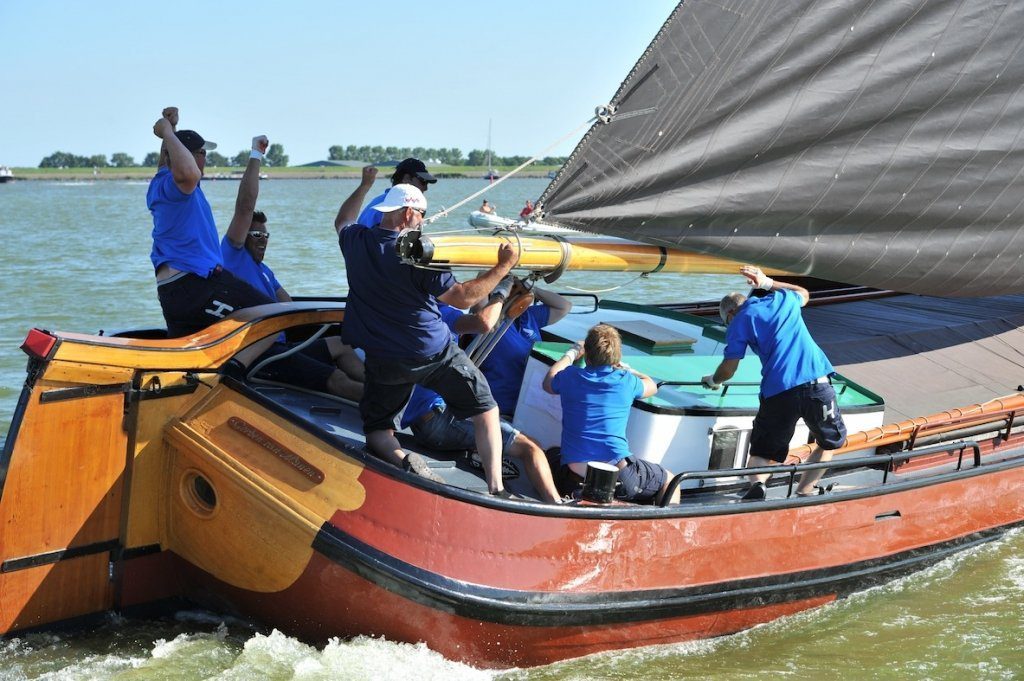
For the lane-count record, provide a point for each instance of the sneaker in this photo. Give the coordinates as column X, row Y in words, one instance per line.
column 756, row 492
column 414, row 463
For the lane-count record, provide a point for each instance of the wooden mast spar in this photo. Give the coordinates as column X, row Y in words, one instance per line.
column 556, row 254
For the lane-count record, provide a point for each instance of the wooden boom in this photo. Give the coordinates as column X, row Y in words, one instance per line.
column 556, row 253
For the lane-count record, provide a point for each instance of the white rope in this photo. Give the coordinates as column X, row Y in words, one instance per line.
column 642, row 275
column 287, row 353
column 540, row 154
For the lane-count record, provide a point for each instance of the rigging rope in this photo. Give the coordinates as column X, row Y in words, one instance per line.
column 540, row 154
column 642, row 275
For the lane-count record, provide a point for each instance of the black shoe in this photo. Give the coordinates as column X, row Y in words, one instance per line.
column 818, row 491
column 756, row 492
column 503, row 494
column 233, row 369
column 414, row 463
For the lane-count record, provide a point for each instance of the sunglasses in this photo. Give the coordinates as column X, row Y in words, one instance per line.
column 260, row 235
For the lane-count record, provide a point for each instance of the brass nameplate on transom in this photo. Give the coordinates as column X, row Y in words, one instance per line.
column 280, row 451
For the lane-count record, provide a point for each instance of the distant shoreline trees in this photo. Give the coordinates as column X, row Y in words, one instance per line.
column 277, row 158
column 444, row 156
column 62, row 159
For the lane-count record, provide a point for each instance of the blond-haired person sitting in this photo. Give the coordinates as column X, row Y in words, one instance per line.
column 596, row 400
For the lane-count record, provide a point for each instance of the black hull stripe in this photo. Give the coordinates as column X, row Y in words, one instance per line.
column 50, row 557
column 548, row 609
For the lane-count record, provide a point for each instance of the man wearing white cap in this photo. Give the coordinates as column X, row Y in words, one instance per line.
column 392, row 315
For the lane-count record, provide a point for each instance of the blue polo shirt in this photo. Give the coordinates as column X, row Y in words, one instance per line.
column 425, row 399
column 774, row 329
column 371, row 217
column 184, row 234
column 240, row 263
column 595, row 410
column 392, row 307
column 506, row 365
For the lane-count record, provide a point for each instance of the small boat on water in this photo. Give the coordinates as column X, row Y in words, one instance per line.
column 6, row 175
column 233, row 175
column 138, row 470
column 488, row 223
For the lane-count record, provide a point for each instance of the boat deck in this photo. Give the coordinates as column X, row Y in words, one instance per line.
column 341, row 421
column 925, row 354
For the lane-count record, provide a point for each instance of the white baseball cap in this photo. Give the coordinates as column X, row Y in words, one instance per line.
column 402, row 196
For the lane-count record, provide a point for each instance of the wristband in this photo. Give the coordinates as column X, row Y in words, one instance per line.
column 767, row 284
column 256, row 154
column 572, row 354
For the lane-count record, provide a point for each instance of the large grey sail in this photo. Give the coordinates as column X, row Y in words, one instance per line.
column 869, row 142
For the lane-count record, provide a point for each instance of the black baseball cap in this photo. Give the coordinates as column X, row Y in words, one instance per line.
column 413, row 166
column 193, row 141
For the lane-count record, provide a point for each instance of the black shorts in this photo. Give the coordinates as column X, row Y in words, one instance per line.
column 640, row 481
column 309, row 368
column 776, row 420
column 191, row 303
column 450, row 373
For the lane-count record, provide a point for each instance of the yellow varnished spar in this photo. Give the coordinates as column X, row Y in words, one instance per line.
column 556, row 253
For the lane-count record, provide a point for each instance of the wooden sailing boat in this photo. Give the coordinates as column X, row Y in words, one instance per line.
column 135, row 472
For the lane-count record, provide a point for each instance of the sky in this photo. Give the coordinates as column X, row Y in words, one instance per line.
column 92, row 77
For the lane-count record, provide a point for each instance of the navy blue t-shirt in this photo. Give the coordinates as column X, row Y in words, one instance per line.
column 425, row 399
column 184, row 234
column 773, row 327
column 506, row 365
column 392, row 307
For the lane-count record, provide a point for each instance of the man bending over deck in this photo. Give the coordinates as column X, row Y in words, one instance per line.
column 795, row 377
column 392, row 316
column 596, row 400
column 434, row 425
column 194, row 288
column 327, row 364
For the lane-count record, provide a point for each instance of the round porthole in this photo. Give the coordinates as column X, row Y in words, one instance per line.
column 199, row 494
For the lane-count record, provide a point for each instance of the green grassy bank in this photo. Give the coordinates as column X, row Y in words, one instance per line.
column 296, row 173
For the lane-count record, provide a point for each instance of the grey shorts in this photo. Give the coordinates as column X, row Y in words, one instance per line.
column 450, row 373
column 444, row 432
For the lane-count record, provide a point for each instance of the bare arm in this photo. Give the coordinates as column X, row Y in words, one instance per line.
column 566, row 360
column 248, row 191
column 349, row 210
column 184, row 169
column 479, row 322
column 650, row 387
column 559, row 305
column 758, row 279
column 469, row 293
column 726, row 370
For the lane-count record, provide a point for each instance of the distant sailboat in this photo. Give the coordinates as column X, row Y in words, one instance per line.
column 491, row 175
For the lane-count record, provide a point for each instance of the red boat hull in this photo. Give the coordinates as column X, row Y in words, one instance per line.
column 496, row 588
